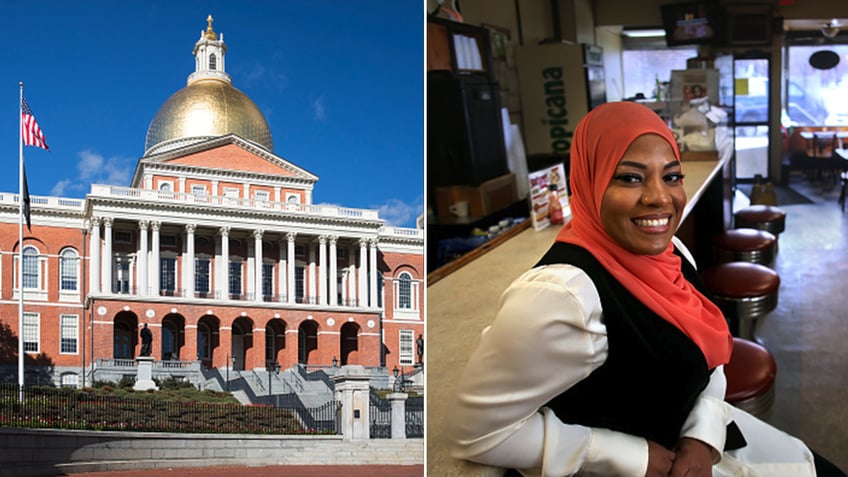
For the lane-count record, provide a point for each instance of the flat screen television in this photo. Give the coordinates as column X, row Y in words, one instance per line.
column 690, row 23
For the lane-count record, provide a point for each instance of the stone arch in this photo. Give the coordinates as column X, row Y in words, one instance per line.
column 349, row 343
column 173, row 336
column 275, row 340
column 125, row 335
column 307, row 340
column 241, row 342
column 208, row 338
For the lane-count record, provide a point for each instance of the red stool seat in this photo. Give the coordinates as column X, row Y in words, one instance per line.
column 745, row 244
column 744, row 292
column 750, row 377
column 762, row 217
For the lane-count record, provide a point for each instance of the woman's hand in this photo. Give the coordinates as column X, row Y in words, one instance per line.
column 692, row 458
column 660, row 460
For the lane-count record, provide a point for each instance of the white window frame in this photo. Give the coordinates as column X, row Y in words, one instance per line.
column 118, row 260
column 67, row 295
column 72, row 326
column 406, row 347
column 414, row 288
column 209, row 281
column 32, row 332
column 69, row 380
column 39, row 293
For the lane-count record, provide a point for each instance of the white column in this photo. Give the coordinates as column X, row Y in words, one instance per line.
column 351, row 286
column 94, row 261
column 334, row 289
column 142, row 258
column 257, row 261
column 224, row 283
column 107, row 255
column 154, row 259
column 322, row 270
column 311, row 279
column 182, row 182
column 290, row 237
column 362, row 296
column 282, row 270
column 188, row 276
column 372, row 269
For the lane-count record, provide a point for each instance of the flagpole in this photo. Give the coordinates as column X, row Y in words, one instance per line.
column 21, row 247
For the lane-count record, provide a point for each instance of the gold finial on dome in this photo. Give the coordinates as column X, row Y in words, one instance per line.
column 210, row 33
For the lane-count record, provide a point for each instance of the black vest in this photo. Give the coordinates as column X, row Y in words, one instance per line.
column 653, row 373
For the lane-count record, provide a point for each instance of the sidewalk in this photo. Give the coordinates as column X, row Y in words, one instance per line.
column 273, row 471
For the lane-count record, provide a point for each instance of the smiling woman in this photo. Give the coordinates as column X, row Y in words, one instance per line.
column 607, row 358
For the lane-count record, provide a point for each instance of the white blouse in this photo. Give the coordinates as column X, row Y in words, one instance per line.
column 549, row 335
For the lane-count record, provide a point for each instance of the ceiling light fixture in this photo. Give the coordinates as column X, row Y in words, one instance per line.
column 831, row 28
column 644, row 33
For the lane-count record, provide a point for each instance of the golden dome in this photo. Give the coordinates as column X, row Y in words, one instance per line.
column 204, row 109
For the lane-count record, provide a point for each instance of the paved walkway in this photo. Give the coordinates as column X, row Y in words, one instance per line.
column 273, row 471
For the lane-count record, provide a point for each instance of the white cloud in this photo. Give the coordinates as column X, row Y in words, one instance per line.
column 93, row 168
column 400, row 214
column 319, row 111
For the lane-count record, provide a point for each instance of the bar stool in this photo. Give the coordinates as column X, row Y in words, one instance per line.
column 761, row 217
column 750, row 378
column 744, row 291
column 745, row 244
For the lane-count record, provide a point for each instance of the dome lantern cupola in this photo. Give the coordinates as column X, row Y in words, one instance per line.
column 209, row 54
column 209, row 106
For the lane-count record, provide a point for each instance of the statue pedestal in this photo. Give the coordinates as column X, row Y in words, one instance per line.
column 144, row 379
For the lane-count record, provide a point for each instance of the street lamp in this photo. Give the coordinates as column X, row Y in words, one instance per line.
column 227, row 364
column 398, row 384
column 335, row 362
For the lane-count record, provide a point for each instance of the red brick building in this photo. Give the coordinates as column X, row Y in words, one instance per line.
column 217, row 247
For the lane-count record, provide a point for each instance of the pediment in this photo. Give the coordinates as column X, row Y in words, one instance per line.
column 229, row 154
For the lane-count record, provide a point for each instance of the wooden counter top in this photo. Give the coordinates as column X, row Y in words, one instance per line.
column 461, row 304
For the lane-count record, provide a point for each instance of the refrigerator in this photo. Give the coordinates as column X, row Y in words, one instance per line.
column 559, row 84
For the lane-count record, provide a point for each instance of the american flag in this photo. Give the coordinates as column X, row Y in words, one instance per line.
column 29, row 129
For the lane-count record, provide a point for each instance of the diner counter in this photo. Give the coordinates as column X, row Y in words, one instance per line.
column 462, row 303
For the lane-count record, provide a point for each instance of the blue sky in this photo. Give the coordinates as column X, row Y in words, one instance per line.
column 341, row 84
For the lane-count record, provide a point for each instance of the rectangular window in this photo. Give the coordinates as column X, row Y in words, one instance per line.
column 198, row 189
column 32, row 332
column 168, row 240
column 30, row 270
column 268, row 280
column 299, row 276
column 235, row 280
column 69, row 263
column 231, row 192
column 122, row 277
column 69, row 330
column 122, row 236
column 406, row 347
column 201, row 275
column 262, row 195
column 168, row 274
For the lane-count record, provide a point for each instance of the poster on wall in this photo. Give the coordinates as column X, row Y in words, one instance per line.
column 549, row 197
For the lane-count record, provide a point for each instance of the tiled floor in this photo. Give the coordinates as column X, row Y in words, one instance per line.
column 808, row 332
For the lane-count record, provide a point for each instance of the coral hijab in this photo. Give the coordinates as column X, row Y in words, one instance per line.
column 600, row 141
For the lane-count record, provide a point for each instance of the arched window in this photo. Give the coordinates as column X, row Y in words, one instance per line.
column 68, row 270
column 213, row 62
column 30, row 267
column 404, row 290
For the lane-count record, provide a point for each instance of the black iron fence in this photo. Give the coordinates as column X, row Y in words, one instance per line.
column 57, row 408
column 380, row 413
column 414, row 414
